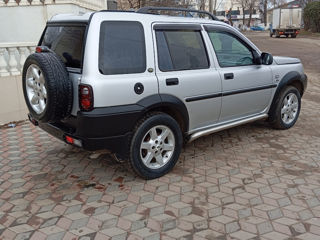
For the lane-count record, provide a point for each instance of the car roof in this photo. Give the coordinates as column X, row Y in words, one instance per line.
column 132, row 16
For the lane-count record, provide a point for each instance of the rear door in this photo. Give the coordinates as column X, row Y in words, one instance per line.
column 185, row 70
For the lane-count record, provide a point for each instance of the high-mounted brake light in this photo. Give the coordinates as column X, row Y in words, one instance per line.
column 85, row 97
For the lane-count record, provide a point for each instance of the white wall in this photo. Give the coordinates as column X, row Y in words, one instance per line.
column 24, row 24
column 20, row 29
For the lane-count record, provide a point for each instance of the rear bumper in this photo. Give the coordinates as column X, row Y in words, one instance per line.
column 294, row 31
column 113, row 143
column 103, row 128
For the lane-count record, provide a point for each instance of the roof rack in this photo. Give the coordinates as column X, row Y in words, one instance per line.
column 185, row 10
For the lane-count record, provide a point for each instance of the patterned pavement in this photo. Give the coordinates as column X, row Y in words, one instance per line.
column 250, row 182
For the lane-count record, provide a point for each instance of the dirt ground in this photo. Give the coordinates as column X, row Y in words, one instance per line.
column 307, row 49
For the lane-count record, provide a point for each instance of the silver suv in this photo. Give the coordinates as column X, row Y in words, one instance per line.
column 142, row 84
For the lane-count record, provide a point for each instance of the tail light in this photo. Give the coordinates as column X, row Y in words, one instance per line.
column 85, row 97
column 297, row 32
column 40, row 49
column 73, row 141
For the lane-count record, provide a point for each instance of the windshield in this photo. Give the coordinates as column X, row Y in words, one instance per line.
column 67, row 42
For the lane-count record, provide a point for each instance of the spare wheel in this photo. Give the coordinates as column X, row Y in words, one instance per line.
column 47, row 89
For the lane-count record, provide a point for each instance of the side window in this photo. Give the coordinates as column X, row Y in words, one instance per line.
column 181, row 50
column 122, row 48
column 229, row 50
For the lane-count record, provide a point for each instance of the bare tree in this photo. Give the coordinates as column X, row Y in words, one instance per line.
column 244, row 6
column 251, row 5
column 263, row 9
column 229, row 15
column 136, row 4
column 202, row 4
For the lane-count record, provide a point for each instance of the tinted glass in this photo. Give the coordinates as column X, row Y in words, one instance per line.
column 67, row 42
column 122, row 48
column 229, row 50
column 181, row 50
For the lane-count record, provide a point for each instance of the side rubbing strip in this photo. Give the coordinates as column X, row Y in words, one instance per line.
column 177, row 27
column 215, row 95
column 203, row 97
column 248, row 90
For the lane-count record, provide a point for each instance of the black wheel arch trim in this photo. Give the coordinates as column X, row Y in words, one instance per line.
column 157, row 101
column 286, row 80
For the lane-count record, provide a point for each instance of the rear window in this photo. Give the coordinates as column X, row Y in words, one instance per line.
column 122, row 48
column 67, row 42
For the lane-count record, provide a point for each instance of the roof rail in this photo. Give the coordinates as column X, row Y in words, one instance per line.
column 107, row 10
column 186, row 10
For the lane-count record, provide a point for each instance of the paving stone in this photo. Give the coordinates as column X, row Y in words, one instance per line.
column 242, row 235
column 122, row 208
column 250, row 182
column 107, row 220
column 162, row 223
column 150, row 208
column 132, row 222
column 115, row 233
column 144, row 234
column 179, row 209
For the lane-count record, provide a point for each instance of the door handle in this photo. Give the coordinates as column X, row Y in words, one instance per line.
column 228, row 76
column 172, row 81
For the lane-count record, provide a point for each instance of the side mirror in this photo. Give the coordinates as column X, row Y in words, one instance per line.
column 256, row 58
column 266, row 58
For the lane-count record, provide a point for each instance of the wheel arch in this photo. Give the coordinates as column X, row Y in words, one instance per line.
column 292, row 78
column 168, row 104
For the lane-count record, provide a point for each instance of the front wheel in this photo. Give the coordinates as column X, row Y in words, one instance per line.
column 155, row 146
column 287, row 110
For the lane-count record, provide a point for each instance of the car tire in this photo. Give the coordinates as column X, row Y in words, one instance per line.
column 47, row 89
column 293, row 35
column 155, row 146
column 286, row 111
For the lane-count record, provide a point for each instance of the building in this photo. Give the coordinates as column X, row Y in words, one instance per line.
column 222, row 9
column 21, row 25
column 236, row 14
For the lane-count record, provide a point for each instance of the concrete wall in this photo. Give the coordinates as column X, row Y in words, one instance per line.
column 13, row 107
column 21, row 28
column 21, row 24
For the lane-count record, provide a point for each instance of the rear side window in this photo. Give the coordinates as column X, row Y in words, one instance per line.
column 181, row 50
column 67, row 42
column 122, row 48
